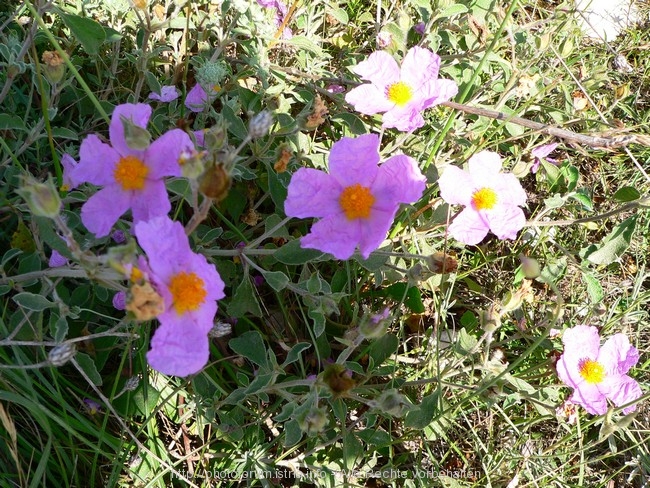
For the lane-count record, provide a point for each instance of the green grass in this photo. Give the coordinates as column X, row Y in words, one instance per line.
column 460, row 391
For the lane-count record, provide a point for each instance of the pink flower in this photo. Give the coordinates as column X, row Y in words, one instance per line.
column 119, row 300
column 132, row 178
column 357, row 201
column 197, row 98
column 402, row 93
column 167, row 94
column 491, row 199
column 57, row 259
column 190, row 288
column 540, row 153
column 596, row 373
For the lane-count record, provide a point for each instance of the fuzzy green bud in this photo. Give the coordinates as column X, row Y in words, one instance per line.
column 530, row 267
column 374, row 326
column 215, row 137
column 53, row 66
column 210, row 76
column 61, row 354
column 42, row 198
column 391, row 402
column 314, row 421
column 136, row 137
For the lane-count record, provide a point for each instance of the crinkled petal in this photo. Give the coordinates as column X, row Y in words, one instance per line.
column 312, row 193
column 369, row 99
column 456, row 186
column 380, row 69
column 591, row 398
column 404, row 119
column 97, row 162
column 179, row 350
column 580, row 342
column 69, row 165
column 506, row 221
column 335, row 235
column 196, row 99
column 468, row 227
column 621, row 390
column 162, row 157
column 167, row 94
column 138, row 113
column 436, row 92
column 419, row 67
column 543, row 151
column 484, row 164
column 354, row 160
column 163, row 254
column 150, row 202
column 508, row 188
column 399, row 180
column 374, row 230
column 103, row 209
column 617, row 355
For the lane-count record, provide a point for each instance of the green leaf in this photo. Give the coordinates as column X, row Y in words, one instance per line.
column 627, row 194
column 614, row 245
column 292, row 253
column 251, row 346
column 278, row 184
column 375, row 261
column 64, row 133
column 87, row 364
column 303, row 43
column 292, row 433
column 60, row 329
column 422, row 415
column 594, row 289
column 465, row 343
column 352, row 450
column 455, row 9
column 276, row 279
column 583, row 199
column 383, row 348
column 294, row 353
column 553, row 271
column 31, row 301
column 340, row 15
column 89, row 33
column 244, row 301
column 11, row 122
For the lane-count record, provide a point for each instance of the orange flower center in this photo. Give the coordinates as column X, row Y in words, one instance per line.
column 130, row 173
column 356, row 201
column 188, row 292
column 592, row 371
column 399, row 93
column 484, row 199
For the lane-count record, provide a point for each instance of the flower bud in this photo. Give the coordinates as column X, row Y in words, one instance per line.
column 42, row 198
column 530, row 267
column 61, row 354
column 374, row 326
column 314, row 421
column 215, row 137
column 132, row 383
column 338, row 378
column 391, row 402
column 220, row 329
column 136, row 137
column 53, row 66
column 210, row 76
column 215, row 182
column 260, row 124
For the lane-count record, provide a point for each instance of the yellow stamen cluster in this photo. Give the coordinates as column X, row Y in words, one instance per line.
column 356, row 201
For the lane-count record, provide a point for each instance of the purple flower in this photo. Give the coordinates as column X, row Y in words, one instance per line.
column 402, row 93
column 491, row 199
column 280, row 14
column 335, row 88
column 190, row 288
column 119, row 300
column 93, row 407
column 596, row 373
column 167, row 94
column 357, row 201
column 131, row 178
column 118, row 236
column 419, row 28
column 69, row 164
column 540, row 153
column 57, row 260
column 197, row 99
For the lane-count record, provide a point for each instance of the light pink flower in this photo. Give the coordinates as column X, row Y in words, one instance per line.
column 596, row 373
column 131, row 178
column 401, row 93
column 491, row 199
column 541, row 152
column 190, row 288
column 357, row 201
column 168, row 93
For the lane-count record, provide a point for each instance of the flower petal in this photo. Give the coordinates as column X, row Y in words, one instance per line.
column 150, row 202
column 590, row 397
column 196, row 99
column 399, row 180
column 335, row 235
column 162, row 157
column 97, row 162
column 436, row 92
column 508, row 189
column 162, row 253
column 312, row 193
column 380, row 69
column 167, row 94
column 103, row 209
column 374, row 230
column 484, row 164
column 368, row 99
column 617, row 355
column 506, row 221
column 580, row 342
column 456, row 186
column 419, row 67
column 354, row 160
column 468, row 227
column 621, row 390
column 138, row 113
column 404, row 119
column 543, row 151
column 179, row 350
